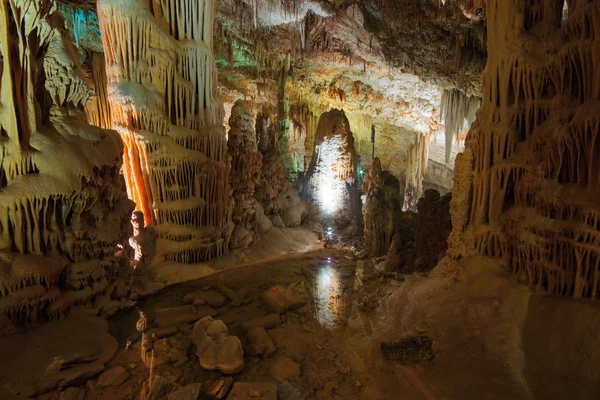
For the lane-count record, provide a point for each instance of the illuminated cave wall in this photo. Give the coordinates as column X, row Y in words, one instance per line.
column 527, row 185
column 332, row 175
column 162, row 91
column 63, row 205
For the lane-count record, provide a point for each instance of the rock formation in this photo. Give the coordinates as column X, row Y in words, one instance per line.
column 332, row 176
column 416, row 168
column 63, row 206
column 143, row 241
column 382, row 206
column 526, row 186
column 163, row 101
column 273, row 173
column 246, row 165
column 216, row 349
column 433, row 226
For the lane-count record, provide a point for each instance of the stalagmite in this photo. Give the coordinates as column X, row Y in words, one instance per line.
column 63, row 207
column 527, row 184
column 382, row 206
column 246, row 166
column 162, row 94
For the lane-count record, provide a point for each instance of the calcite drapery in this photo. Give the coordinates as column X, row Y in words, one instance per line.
column 528, row 181
column 162, row 93
column 62, row 203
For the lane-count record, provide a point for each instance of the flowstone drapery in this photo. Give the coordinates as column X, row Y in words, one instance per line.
column 63, row 207
column 527, row 186
column 162, row 93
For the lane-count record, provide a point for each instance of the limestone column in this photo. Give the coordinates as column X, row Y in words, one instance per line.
column 164, row 103
column 526, row 186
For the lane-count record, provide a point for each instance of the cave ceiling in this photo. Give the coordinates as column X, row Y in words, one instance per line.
column 389, row 58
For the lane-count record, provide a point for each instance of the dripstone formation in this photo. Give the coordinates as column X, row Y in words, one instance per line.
column 526, row 186
column 164, row 104
column 63, row 205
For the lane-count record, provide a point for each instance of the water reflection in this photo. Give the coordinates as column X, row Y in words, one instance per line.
column 330, row 301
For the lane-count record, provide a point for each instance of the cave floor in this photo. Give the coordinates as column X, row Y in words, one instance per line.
column 334, row 338
column 330, row 338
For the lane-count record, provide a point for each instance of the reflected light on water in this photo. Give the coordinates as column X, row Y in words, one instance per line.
column 329, row 298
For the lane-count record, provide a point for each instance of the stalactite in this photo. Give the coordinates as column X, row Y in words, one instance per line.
column 528, row 180
column 98, row 107
column 416, row 168
column 162, row 94
column 457, row 112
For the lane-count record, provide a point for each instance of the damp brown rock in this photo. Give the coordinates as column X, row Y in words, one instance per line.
column 216, row 349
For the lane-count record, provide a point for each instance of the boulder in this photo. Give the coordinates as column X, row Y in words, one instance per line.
column 284, row 369
column 241, row 237
column 267, row 322
column 216, row 349
column 282, row 298
column 260, row 342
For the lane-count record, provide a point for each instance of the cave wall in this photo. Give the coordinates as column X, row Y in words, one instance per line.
column 162, row 92
column 526, row 186
column 63, row 205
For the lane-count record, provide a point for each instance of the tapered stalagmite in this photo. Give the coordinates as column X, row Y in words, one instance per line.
column 63, row 207
column 246, row 166
column 528, row 181
column 382, row 207
column 162, row 94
